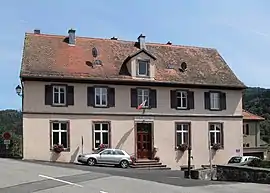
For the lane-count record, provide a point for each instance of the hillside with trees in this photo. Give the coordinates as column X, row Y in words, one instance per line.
column 257, row 101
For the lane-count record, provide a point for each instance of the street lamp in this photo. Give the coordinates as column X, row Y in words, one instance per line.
column 19, row 90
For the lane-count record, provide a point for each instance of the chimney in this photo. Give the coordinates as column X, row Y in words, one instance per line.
column 169, row 43
column 114, row 38
column 71, row 36
column 141, row 40
column 36, row 31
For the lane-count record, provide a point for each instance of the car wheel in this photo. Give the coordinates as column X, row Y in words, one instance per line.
column 124, row 164
column 91, row 162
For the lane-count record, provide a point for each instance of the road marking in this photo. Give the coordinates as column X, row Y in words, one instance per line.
column 63, row 181
column 103, row 192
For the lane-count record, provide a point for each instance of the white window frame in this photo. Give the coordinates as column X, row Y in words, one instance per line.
column 217, row 129
column 183, row 95
column 145, row 95
column 101, row 91
column 182, row 131
column 214, row 100
column 101, row 131
column 60, row 131
column 59, row 87
column 146, row 63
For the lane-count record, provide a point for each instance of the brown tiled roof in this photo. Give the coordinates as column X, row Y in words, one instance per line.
column 50, row 56
column 249, row 116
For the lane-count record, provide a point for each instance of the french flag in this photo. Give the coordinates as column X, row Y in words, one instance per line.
column 142, row 105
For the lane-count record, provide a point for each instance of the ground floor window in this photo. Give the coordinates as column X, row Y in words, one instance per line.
column 216, row 133
column 60, row 133
column 182, row 134
column 101, row 134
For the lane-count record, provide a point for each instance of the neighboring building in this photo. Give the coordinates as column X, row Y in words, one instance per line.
column 253, row 144
column 78, row 88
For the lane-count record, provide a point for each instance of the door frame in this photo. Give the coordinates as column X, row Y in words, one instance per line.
column 151, row 134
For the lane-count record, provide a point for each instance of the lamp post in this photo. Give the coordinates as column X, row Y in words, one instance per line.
column 19, row 90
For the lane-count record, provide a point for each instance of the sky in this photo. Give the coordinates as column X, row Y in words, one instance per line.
column 239, row 30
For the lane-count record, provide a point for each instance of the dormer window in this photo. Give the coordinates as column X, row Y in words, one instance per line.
column 143, row 68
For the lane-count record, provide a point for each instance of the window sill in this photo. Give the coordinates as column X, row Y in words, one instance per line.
column 182, row 108
column 59, row 105
column 211, row 109
column 65, row 150
column 142, row 76
column 102, row 107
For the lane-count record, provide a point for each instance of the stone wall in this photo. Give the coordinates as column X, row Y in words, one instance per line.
column 243, row 174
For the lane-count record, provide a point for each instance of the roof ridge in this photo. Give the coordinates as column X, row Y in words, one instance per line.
column 127, row 41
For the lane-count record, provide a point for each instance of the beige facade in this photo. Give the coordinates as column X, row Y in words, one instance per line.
column 122, row 118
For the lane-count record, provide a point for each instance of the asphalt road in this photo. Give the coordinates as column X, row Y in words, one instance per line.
column 26, row 177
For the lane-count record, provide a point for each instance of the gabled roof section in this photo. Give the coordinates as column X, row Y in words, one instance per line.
column 251, row 117
column 50, row 56
column 142, row 51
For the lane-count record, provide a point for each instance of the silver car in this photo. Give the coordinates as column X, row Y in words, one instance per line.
column 107, row 156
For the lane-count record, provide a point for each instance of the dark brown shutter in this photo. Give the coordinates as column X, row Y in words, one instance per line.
column 207, row 100
column 190, row 96
column 110, row 135
column 48, row 95
column 175, row 134
column 223, row 101
column 189, row 135
column 153, row 98
column 173, row 99
column 222, row 135
column 70, row 95
column 68, row 137
column 247, row 129
column 91, row 96
column 51, row 125
column 133, row 97
column 93, row 136
column 111, row 97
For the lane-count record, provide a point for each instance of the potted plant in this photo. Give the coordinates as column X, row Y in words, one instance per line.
column 216, row 146
column 182, row 147
column 102, row 146
column 58, row 148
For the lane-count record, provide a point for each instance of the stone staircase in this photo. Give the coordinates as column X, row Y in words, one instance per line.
column 149, row 165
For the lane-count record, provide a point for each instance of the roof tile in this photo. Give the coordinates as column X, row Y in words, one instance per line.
column 51, row 56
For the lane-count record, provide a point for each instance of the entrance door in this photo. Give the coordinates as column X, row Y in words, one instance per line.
column 144, row 141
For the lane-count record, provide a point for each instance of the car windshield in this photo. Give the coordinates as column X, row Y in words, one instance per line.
column 235, row 160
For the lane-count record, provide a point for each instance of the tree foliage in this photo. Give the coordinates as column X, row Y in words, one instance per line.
column 257, row 101
column 11, row 121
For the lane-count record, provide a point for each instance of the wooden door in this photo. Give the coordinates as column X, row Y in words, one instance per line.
column 143, row 145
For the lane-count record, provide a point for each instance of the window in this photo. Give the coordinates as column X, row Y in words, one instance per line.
column 60, row 133
column 143, row 95
column 181, row 99
column 118, row 152
column 101, row 97
column 214, row 100
column 246, row 129
column 236, row 159
column 182, row 133
column 107, row 152
column 59, row 95
column 215, row 133
column 101, row 134
column 143, row 68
